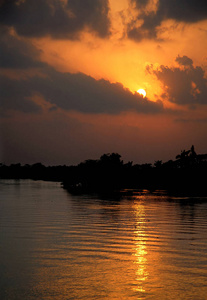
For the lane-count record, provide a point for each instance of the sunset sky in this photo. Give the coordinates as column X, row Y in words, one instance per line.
column 70, row 71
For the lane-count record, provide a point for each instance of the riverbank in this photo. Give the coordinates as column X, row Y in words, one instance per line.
column 109, row 174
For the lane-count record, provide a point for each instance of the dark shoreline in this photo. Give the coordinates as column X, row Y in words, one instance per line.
column 187, row 175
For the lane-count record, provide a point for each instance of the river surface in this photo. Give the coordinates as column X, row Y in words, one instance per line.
column 54, row 245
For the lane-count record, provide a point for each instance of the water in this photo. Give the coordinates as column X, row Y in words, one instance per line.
column 57, row 246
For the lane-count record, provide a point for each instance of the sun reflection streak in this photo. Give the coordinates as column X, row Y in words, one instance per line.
column 140, row 240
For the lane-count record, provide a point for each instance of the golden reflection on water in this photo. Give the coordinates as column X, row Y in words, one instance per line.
column 140, row 240
column 76, row 248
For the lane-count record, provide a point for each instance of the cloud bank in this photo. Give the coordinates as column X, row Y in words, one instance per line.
column 59, row 19
column 77, row 92
column 151, row 16
column 185, row 84
column 16, row 53
column 66, row 19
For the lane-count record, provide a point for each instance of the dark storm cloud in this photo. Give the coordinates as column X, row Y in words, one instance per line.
column 184, row 60
column 187, row 11
column 140, row 3
column 59, row 19
column 77, row 92
column 84, row 93
column 184, row 85
column 15, row 95
column 17, row 54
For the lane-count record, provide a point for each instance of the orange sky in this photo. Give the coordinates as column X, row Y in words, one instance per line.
column 60, row 63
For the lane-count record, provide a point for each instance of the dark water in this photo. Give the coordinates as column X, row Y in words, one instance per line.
column 57, row 246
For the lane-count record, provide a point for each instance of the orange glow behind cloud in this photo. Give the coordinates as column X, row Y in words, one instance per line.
column 123, row 61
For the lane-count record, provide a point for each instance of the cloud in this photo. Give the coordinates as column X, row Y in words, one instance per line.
column 187, row 11
column 77, row 92
column 184, row 60
column 16, row 53
column 15, row 95
column 59, row 19
column 183, row 85
column 67, row 91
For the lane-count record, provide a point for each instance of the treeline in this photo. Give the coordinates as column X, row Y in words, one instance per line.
column 36, row 171
column 188, row 172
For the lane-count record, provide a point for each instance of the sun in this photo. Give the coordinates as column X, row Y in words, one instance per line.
column 142, row 92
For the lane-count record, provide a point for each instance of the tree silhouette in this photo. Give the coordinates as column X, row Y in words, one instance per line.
column 109, row 173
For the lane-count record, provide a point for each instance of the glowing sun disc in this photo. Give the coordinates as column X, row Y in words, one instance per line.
column 142, row 92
